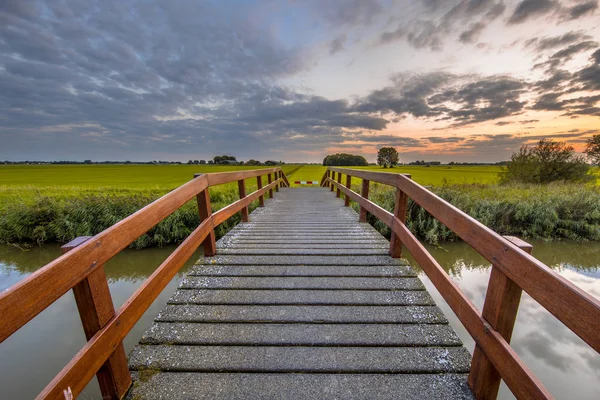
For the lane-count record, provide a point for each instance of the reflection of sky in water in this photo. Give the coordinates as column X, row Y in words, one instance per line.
column 562, row 361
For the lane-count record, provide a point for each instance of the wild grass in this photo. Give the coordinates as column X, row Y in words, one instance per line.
column 554, row 211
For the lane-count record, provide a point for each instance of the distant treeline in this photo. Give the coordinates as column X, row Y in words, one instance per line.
column 344, row 159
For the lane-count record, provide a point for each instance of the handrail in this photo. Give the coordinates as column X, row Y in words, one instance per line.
column 513, row 270
column 77, row 270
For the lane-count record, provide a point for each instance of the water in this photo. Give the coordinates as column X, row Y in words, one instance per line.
column 31, row 357
column 563, row 362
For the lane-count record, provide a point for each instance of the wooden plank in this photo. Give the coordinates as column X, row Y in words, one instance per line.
column 380, row 177
column 261, row 199
column 349, row 186
column 82, row 367
column 205, row 211
column 519, row 378
column 269, row 180
column 575, row 308
column 339, row 180
column 95, row 305
column 500, row 311
column 400, row 209
column 27, row 298
column 331, row 179
column 242, row 190
column 362, row 215
column 218, row 178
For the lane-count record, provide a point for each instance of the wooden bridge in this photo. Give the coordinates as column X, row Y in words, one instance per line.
column 303, row 299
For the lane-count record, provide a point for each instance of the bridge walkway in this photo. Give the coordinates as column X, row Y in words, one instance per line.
column 302, row 302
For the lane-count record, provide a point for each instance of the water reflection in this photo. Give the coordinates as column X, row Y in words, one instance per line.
column 35, row 354
column 562, row 361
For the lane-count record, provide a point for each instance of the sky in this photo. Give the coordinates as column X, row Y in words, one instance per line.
column 439, row 80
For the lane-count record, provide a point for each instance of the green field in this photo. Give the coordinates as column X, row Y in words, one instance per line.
column 428, row 176
column 41, row 203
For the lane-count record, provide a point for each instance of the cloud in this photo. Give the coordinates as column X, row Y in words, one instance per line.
column 337, row 44
column 472, row 34
column 528, row 9
column 580, row 10
column 560, row 57
column 557, row 41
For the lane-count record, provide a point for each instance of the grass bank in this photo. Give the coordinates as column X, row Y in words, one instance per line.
column 555, row 211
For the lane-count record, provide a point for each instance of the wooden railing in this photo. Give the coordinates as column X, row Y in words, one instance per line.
column 81, row 269
column 513, row 270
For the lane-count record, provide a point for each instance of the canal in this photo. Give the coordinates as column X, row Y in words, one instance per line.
column 564, row 363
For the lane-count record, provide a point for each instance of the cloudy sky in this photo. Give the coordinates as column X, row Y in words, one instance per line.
column 461, row 80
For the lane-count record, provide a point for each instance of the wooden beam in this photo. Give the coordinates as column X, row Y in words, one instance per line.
column 362, row 216
column 205, row 211
column 95, row 305
column 269, row 180
column 339, row 180
column 242, row 190
column 400, row 209
column 349, row 186
column 500, row 311
column 261, row 199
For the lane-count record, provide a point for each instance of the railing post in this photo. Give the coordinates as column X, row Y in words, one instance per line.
column 276, row 177
column 400, row 209
column 500, row 311
column 270, row 180
column 339, row 180
column 261, row 199
column 205, row 211
column 362, row 216
column 96, row 308
column 332, row 177
column 242, row 188
column 348, row 185
column 327, row 175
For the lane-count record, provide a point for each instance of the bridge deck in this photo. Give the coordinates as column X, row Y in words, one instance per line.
column 301, row 302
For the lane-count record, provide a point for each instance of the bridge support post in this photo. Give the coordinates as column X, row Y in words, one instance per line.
column 348, row 185
column 332, row 177
column 276, row 177
column 400, row 209
column 261, row 199
column 96, row 308
column 269, row 181
column 500, row 311
column 205, row 211
column 362, row 216
column 242, row 189
column 339, row 180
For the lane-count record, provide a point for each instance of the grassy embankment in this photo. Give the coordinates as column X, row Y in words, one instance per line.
column 58, row 203
column 41, row 203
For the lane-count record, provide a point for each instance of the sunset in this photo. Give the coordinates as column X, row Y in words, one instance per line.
column 444, row 80
column 300, row 199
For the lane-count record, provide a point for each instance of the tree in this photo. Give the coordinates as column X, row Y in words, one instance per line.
column 345, row 160
column 387, row 156
column 270, row 162
column 252, row 162
column 592, row 150
column 202, row 162
column 547, row 161
column 190, row 162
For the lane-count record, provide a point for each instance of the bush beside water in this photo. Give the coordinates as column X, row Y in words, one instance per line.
column 553, row 211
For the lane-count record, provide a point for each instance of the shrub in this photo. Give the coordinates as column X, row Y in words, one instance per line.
column 548, row 161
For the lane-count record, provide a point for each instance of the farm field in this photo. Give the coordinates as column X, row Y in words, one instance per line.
column 428, row 176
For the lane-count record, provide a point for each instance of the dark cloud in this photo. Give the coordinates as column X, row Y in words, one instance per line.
column 529, row 121
column 472, row 34
column 560, row 57
column 337, row 44
column 441, row 139
column 528, row 9
column 431, row 31
column 580, row 10
column 502, row 123
column 541, row 44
